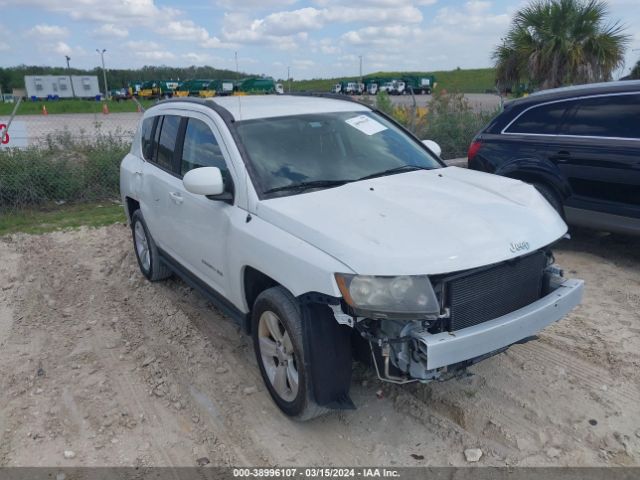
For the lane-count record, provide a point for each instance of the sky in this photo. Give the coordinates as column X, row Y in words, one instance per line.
column 312, row 38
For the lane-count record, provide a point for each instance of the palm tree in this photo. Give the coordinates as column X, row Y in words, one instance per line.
column 557, row 42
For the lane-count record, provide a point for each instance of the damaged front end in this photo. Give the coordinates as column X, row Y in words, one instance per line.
column 479, row 313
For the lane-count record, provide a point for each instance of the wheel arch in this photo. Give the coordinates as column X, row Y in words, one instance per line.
column 131, row 205
column 531, row 170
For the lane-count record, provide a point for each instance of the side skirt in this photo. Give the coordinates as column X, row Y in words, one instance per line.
column 226, row 307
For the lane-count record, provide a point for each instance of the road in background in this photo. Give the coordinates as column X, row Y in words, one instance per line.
column 479, row 101
column 30, row 130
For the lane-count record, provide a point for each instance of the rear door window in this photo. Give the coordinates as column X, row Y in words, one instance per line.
column 540, row 120
column 615, row 116
column 146, row 137
column 167, row 142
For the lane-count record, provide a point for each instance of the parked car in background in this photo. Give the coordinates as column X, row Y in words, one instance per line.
column 579, row 146
column 329, row 232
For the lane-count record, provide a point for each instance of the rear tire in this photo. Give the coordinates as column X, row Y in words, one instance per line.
column 278, row 343
column 550, row 196
column 147, row 251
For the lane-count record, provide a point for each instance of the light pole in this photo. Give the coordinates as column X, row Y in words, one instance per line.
column 104, row 72
column 289, row 78
column 360, row 57
column 73, row 92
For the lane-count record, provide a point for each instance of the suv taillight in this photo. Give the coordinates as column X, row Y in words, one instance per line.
column 474, row 148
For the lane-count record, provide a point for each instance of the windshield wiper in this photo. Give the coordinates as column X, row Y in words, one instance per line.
column 308, row 185
column 391, row 171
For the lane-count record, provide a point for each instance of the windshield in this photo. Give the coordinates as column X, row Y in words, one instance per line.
column 322, row 150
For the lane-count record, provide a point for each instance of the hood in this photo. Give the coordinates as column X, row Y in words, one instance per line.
column 422, row 222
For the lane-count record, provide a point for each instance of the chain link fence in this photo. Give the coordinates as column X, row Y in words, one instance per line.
column 51, row 159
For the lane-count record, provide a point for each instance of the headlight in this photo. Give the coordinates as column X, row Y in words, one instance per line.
column 389, row 297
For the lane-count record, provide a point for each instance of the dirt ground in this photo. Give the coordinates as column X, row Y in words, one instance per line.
column 113, row 370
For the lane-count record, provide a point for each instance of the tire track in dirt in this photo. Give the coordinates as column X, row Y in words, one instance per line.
column 115, row 347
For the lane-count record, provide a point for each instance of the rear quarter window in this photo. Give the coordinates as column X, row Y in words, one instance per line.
column 543, row 119
column 616, row 116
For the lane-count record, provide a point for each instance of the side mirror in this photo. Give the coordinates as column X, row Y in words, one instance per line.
column 433, row 146
column 204, row 181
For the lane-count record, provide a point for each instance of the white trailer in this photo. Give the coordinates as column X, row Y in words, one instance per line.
column 61, row 86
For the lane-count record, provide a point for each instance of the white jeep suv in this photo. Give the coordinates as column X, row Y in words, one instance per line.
column 331, row 233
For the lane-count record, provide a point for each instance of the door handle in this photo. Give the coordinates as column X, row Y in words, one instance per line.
column 138, row 173
column 176, row 197
column 562, row 156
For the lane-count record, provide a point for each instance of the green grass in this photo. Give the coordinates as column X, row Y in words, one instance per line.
column 465, row 81
column 62, row 217
column 29, row 107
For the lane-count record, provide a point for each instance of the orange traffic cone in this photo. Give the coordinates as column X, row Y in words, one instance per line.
column 105, row 108
column 44, row 110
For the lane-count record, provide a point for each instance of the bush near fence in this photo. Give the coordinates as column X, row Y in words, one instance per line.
column 449, row 120
column 65, row 169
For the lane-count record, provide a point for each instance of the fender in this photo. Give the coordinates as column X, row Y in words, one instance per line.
column 531, row 169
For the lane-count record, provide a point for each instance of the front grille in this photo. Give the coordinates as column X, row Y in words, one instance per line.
column 489, row 293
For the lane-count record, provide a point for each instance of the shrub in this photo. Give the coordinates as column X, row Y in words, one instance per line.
column 448, row 120
column 63, row 169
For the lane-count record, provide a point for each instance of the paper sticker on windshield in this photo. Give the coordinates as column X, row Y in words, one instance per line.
column 366, row 125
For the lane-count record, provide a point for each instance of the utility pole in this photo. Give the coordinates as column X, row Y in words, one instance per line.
column 104, row 72
column 360, row 56
column 237, row 70
column 73, row 93
column 289, row 78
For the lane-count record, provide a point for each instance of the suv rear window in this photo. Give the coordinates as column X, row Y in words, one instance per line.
column 608, row 116
column 541, row 120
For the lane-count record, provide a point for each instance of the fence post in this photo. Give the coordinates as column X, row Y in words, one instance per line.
column 13, row 114
column 140, row 107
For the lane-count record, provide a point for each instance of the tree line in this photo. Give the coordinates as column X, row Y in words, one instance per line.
column 13, row 77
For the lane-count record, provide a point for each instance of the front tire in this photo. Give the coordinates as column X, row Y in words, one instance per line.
column 278, row 343
column 146, row 250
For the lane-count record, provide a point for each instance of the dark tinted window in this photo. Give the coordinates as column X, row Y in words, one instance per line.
column 610, row 116
column 200, row 148
column 544, row 119
column 145, row 137
column 167, row 143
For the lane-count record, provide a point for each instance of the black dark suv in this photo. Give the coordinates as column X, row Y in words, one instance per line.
column 580, row 146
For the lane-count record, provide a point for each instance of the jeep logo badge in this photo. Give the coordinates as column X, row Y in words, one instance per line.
column 519, row 246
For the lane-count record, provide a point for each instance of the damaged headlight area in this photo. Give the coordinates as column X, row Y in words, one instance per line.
column 405, row 323
column 400, row 297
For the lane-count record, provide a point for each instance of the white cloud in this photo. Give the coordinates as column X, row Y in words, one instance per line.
column 253, row 5
column 109, row 30
column 155, row 55
column 283, row 25
column 48, row 31
column 4, row 47
column 187, row 30
column 63, row 48
column 198, row 58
